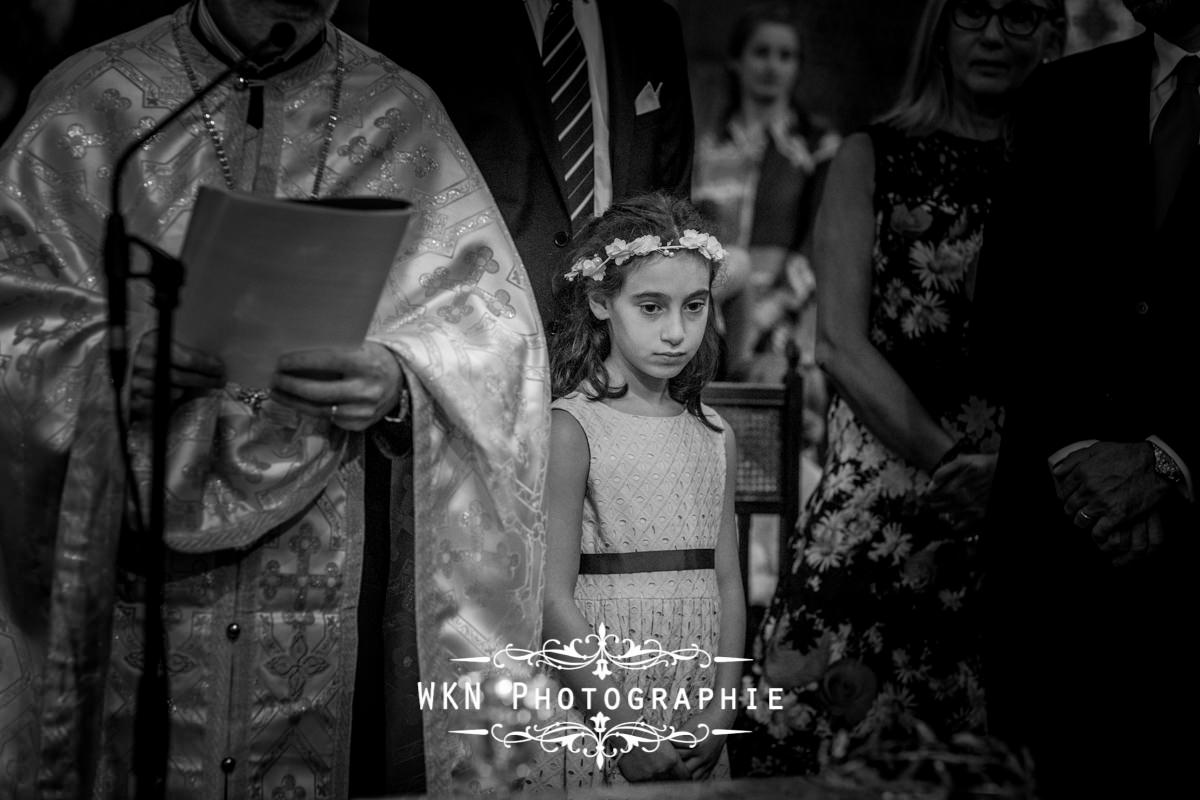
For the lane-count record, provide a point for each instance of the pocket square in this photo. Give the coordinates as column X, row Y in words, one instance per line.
column 647, row 99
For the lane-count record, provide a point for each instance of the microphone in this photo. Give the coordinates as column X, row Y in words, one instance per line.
column 116, row 239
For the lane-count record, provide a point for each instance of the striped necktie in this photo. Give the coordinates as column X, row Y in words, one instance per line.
column 564, row 63
column 1173, row 142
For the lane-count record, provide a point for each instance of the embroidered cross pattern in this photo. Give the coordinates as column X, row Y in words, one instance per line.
column 298, row 664
column 11, row 254
column 303, row 544
column 77, row 140
column 393, row 123
column 477, row 262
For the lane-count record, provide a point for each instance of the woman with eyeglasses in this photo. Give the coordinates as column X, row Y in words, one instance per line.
column 875, row 626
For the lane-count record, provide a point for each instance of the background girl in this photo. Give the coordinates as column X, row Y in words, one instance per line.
column 641, row 534
column 756, row 175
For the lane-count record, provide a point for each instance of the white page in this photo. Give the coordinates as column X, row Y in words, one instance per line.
column 264, row 276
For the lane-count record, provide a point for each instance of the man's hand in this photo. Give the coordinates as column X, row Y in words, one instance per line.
column 1127, row 544
column 353, row 387
column 1111, row 490
column 192, row 372
column 1109, row 481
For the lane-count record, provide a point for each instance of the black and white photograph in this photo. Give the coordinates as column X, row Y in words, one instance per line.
column 598, row 399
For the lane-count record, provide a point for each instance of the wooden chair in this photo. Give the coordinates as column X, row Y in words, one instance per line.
column 767, row 419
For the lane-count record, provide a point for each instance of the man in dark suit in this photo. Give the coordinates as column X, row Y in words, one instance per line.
column 1087, row 311
column 484, row 59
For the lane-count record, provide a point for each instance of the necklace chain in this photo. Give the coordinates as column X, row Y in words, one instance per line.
column 218, row 142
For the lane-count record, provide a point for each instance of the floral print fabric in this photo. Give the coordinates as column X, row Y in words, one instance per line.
column 875, row 620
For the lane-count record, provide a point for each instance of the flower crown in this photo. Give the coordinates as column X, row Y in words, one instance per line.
column 621, row 251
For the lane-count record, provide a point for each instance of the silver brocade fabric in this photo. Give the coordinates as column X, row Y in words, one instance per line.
column 265, row 521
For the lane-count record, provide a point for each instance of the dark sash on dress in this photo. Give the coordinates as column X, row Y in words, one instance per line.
column 645, row 561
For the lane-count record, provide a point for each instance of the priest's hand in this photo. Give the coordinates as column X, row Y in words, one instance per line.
column 192, row 372
column 352, row 387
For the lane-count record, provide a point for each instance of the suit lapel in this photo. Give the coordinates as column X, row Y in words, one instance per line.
column 531, row 83
column 620, row 68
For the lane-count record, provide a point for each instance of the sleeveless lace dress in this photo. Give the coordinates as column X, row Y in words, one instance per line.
column 654, row 483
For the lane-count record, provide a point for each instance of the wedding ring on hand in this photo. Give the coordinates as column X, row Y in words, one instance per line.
column 1084, row 519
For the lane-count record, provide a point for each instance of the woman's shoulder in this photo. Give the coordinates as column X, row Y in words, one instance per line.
column 854, row 162
column 884, row 136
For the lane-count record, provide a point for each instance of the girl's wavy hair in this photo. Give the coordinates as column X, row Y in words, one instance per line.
column 927, row 94
column 579, row 342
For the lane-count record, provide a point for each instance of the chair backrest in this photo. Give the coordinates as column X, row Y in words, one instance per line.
column 767, row 420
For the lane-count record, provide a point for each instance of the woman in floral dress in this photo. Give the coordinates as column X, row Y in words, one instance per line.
column 875, row 623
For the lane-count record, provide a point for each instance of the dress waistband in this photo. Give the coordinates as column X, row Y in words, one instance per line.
column 645, row 561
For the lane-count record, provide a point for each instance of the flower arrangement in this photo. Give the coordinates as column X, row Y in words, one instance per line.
column 907, row 761
column 620, row 251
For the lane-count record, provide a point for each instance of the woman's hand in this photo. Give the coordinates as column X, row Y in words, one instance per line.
column 663, row 763
column 192, row 372
column 700, row 758
column 960, row 489
column 353, row 387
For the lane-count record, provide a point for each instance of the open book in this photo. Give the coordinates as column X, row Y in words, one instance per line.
column 265, row 276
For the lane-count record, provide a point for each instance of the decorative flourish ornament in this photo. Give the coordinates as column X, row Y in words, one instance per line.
column 601, row 742
column 634, row 656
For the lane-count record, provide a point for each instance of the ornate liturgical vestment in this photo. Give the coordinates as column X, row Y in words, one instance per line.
column 266, row 507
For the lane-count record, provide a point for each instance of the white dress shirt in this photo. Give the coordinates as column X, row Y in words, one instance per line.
column 1162, row 77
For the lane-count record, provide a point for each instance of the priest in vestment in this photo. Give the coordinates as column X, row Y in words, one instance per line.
column 320, row 560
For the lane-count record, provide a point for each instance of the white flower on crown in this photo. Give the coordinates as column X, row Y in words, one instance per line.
column 705, row 243
column 616, row 248
column 644, row 245
column 620, row 251
column 589, row 268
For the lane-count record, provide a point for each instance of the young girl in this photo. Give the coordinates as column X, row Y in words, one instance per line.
column 640, row 531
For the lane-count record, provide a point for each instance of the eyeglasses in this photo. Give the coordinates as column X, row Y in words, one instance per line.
column 1016, row 19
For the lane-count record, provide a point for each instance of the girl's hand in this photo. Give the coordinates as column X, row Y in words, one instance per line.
column 640, row 765
column 960, row 490
column 700, row 759
column 353, row 387
column 192, row 372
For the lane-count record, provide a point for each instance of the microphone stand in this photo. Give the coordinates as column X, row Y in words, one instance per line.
column 152, row 721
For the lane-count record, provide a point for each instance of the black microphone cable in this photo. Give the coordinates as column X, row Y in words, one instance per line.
column 152, row 722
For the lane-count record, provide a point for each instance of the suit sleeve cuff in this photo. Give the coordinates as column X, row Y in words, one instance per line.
column 1187, row 473
column 1061, row 453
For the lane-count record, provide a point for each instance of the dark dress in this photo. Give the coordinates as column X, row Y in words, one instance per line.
column 876, row 619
